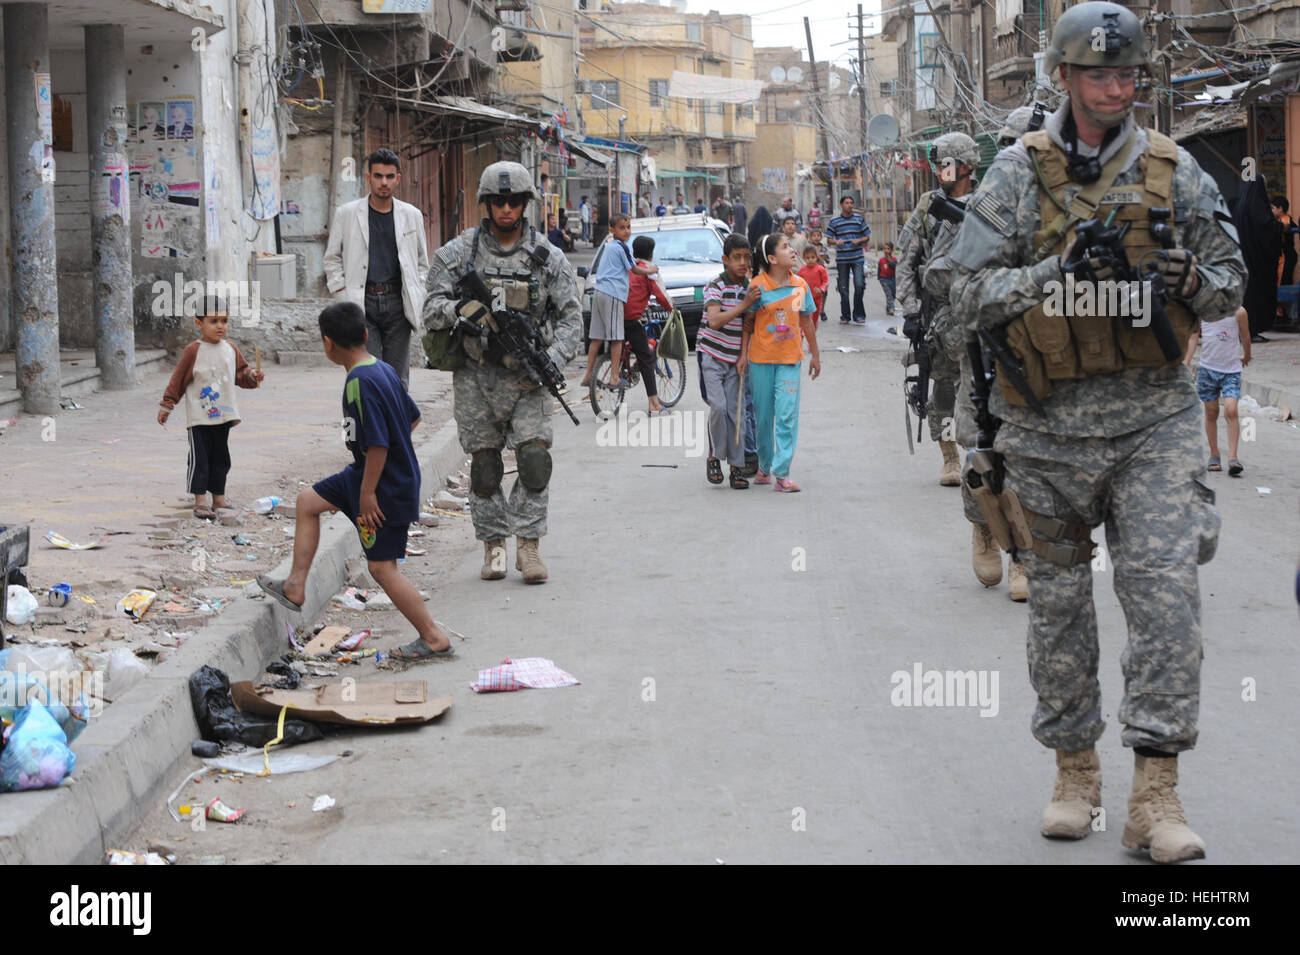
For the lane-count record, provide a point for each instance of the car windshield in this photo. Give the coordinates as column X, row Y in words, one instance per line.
column 687, row 245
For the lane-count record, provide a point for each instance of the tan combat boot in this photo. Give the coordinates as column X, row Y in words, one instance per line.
column 494, row 559
column 1077, row 793
column 951, row 474
column 985, row 556
column 1155, row 816
column 528, row 560
column 1017, row 581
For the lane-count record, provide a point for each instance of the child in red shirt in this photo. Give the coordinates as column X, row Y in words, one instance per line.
column 640, row 289
column 885, row 272
column 814, row 273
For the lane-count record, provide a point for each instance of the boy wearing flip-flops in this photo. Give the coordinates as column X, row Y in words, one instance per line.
column 379, row 491
column 1225, row 351
column 205, row 379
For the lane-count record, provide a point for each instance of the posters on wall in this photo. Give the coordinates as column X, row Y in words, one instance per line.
column 163, row 178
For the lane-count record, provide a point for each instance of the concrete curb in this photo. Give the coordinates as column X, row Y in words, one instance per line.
column 123, row 762
column 1268, row 395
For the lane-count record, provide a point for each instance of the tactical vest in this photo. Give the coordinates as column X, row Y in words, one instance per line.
column 1053, row 347
column 518, row 285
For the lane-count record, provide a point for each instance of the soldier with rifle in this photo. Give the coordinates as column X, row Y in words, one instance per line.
column 1099, row 424
column 502, row 312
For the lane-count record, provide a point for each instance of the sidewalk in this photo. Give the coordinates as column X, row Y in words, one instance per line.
column 1273, row 375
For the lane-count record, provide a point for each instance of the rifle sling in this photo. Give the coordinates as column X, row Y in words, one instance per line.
column 1085, row 203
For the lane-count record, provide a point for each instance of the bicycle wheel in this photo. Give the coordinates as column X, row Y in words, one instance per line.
column 605, row 400
column 670, row 380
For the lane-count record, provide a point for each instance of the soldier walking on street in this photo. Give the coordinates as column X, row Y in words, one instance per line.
column 954, row 157
column 496, row 404
column 1094, row 197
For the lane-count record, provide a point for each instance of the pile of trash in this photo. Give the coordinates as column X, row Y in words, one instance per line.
column 44, row 706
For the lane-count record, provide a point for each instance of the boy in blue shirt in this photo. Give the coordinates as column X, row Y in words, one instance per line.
column 607, row 301
column 379, row 491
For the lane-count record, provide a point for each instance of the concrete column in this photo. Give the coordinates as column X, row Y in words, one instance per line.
column 35, row 293
column 110, row 206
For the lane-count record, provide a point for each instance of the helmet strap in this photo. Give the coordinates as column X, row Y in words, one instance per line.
column 1084, row 169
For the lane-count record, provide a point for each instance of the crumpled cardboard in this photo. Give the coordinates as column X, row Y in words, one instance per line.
column 354, row 704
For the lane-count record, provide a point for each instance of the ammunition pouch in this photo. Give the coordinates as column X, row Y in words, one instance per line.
column 1064, row 543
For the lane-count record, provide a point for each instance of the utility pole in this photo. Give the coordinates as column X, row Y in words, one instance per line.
column 1164, row 102
column 862, row 127
column 821, row 111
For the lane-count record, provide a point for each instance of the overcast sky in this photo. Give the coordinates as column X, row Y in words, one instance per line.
column 780, row 22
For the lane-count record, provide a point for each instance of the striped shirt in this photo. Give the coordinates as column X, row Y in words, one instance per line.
column 722, row 343
column 845, row 228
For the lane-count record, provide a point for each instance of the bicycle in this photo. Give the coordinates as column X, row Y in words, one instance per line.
column 670, row 373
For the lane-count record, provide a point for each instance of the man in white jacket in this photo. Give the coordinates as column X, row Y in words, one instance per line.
column 378, row 257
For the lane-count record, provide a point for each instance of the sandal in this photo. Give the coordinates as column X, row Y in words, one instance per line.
column 1235, row 468
column 714, row 471
column 1214, row 464
column 205, row 513
column 785, row 484
column 738, row 481
column 275, row 590
column 417, row 650
column 763, row 478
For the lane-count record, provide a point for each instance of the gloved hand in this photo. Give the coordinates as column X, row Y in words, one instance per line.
column 1178, row 268
column 1094, row 264
column 472, row 310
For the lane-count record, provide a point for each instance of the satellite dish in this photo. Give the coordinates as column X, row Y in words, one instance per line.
column 778, row 75
column 835, row 81
column 883, row 130
column 794, row 74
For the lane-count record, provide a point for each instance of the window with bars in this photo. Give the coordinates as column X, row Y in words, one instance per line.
column 744, row 111
column 604, row 94
column 658, row 92
column 888, row 87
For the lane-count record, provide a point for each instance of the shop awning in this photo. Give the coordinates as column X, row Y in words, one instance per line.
column 683, row 174
column 587, row 153
column 465, row 106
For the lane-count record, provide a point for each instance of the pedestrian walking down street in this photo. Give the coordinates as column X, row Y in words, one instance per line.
column 848, row 234
column 771, row 350
column 1225, row 352
column 379, row 491
column 205, row 378
column 885, row 267
column 640, row 289
column 496, row 404
column 377, row 257
column 726, row 300
column 1119, row 442
column 584, row 214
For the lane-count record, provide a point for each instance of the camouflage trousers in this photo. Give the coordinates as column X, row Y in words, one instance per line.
column 1141, row 485
column 967, row 436
column 944, row 373
column 497, row 408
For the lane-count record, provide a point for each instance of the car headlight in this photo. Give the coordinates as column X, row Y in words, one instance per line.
column 684, row 296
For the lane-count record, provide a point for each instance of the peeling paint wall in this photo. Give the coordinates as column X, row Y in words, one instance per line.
column 304, row 212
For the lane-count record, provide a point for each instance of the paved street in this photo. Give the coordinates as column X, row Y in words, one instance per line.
column 736, row 651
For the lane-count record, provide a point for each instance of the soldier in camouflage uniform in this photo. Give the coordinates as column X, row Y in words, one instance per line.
column 1119, row 442
column 954, row 157
column 497, row 406
column 986, row 559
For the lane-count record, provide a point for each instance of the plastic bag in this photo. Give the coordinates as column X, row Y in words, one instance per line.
column 20, row 608
column 25, row 677
column 36, row 754
column 124, row 670
column 218, row 718
column 673, row 344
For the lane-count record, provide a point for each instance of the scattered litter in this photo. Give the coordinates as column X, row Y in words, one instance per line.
column 214, row 709
column 205, row 749
column 218, row 811
column 322, row 803
column 325, row 641
column 463, row 512
column 281, row 763
column 86, row 600
column 36, row 754
column 659, row 466
column 447, row 499
column 58, row 540
column 6, row 422
column 428, row 519
column 847, row 349
column 415, row 532
column 352, row 598
column 293, row 638
column 535, row 673
column 241, row 541
column 122, row 857
column 368, row 703
column 265, row 505
column 415, row 551
column 354, row 641
column 228, row 518
column 1264, row 490
column 137, row 603
column 125, row 670
column 183, row 810
column 174, row 606
column 20, row 608
column 379, row 601
column 58, row 595
column 289, row 677
column 69, row 404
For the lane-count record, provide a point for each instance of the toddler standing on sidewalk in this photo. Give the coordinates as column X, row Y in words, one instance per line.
column 815, row 274
column 1225, row 351
column 206, row 377
column 379, row 491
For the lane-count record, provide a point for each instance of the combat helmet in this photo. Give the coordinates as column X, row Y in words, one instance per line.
column 958, row 147
column 1097, row 34
column 1016, row 125
column 505, row 179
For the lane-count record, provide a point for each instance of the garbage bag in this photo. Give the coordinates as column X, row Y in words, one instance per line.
column 62, row 695
column 36, row 754
column 20, row 608
column 219, row 719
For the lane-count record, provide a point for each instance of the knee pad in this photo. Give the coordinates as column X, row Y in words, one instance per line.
column 485, row 472
column 534, row 461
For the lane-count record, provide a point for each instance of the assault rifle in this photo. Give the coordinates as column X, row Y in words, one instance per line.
column 1099, row 240
column 513, row 333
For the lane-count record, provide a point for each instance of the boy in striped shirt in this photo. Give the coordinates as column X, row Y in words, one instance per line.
column 726, row 299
